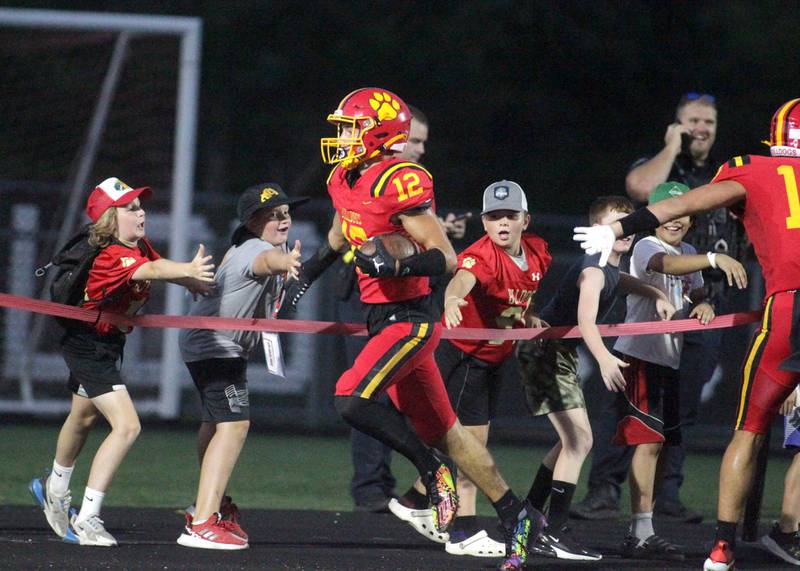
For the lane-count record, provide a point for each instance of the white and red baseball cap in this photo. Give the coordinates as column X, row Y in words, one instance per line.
column 113, row 192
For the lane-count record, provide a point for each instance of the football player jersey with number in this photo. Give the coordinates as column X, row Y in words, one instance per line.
column 771, row 214
column 109, row 285
column 371, row 206
column 502, row 294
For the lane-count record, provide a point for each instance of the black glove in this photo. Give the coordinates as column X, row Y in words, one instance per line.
column 380, row 264
column 292, row 292
column 311, row 270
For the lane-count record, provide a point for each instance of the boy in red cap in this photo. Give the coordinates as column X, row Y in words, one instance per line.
column 118, row 282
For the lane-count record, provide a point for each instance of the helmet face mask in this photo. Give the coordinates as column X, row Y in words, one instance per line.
column 370, row 122
column 784, row 132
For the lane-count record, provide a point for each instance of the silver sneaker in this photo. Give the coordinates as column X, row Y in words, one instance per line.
column 92, row 532
column 56, row 508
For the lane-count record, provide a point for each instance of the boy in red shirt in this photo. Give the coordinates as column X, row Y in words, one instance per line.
column 493, row 287
column 118, row 282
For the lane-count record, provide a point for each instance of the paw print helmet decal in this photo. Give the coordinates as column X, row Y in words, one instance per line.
column 370, row 122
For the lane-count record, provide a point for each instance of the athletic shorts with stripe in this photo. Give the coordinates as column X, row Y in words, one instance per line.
column 399, row 360
column 765, row 385
column 648, row 410
column 472, row 384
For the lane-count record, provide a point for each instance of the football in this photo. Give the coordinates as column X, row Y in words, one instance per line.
column 399, row 246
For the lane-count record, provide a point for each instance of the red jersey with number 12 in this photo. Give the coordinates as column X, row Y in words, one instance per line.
column 371, row 206
column 502, row 294
column 771, row 214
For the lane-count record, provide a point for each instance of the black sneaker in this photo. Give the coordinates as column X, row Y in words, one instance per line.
column 561, row 544
column 786, row 546
column 676, row 511
column 596, row 505
column 654, row 547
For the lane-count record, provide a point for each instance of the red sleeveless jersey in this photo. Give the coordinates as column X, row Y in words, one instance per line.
column 771, row 214
column 371, row 207
column 502, row 294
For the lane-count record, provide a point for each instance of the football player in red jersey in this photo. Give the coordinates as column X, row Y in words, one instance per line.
column 764, row 192
column 373, row 193
column 118, row 282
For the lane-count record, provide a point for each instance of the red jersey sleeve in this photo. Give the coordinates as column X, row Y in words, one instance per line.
column 115, row 266
column 480, row 260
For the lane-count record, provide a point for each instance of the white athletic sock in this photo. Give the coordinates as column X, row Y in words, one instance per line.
column 58, row 482
column 92, row 502
column 642, row 525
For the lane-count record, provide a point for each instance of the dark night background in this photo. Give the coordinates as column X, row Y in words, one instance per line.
column 560, row 96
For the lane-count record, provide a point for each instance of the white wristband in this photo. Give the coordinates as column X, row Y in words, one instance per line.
column 712, row 259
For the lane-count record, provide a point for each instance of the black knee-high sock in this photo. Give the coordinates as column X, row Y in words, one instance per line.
column 508, row 508
column 540, row 490
column 726, row 530
column 560, row 499
column 388, row 426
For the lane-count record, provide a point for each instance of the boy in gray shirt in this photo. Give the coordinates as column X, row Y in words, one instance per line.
column 248, row 283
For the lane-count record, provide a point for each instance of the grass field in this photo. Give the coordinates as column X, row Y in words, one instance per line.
column 290, row 472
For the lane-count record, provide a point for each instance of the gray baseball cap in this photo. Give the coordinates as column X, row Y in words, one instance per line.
column 504, row 195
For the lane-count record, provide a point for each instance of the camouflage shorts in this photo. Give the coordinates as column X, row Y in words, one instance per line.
column 549, row 375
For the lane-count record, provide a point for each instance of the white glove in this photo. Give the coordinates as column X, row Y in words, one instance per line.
column 595, row 239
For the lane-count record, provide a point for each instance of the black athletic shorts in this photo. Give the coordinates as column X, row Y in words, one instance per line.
column 94, row 362
column 472, row 385
column 223, row 388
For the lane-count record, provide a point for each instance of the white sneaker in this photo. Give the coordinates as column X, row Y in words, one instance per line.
column 92, row 532
column 56, row 508
column 479, row 545
column 420, row 520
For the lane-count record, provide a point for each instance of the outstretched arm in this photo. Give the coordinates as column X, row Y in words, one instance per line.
column 200, row 268
column 458, row 288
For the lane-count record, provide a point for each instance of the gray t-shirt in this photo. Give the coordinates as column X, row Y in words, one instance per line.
column 238, row 293
column 661, row 349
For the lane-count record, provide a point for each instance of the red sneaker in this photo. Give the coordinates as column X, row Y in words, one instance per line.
column 229, row 513
column 721, row 558
column 213, row 533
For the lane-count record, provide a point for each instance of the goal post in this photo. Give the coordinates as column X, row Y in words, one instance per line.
column 188, row 30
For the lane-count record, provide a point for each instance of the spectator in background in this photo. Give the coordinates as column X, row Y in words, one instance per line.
column 686, row 158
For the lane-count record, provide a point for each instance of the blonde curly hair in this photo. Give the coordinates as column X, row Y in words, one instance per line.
column 102, row 232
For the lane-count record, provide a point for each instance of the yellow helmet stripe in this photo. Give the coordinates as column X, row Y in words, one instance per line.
column 780, row 128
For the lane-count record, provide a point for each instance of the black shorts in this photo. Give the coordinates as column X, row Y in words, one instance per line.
column 417, row 310
column 94, row 362
column 223, row 388
column 648, row 410
column 472, row 385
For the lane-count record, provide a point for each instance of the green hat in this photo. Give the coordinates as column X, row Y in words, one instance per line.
column 667, row 190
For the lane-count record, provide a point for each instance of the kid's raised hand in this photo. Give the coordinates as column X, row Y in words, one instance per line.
column 788, row 405
column 611, row 371
column 703, row 312
column 293, row 264
column 200, row 268
column 733, row 269
column 452, row 311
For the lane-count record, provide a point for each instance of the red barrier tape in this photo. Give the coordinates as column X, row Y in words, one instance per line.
column 335, row 328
